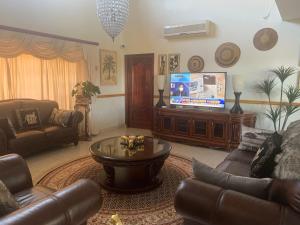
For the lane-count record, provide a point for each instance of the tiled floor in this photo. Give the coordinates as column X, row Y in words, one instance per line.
column 41, row 163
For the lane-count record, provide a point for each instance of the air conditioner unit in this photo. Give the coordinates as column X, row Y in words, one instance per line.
column 200, row 29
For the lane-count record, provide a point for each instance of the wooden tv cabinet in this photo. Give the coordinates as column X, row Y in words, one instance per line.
column 209, row 128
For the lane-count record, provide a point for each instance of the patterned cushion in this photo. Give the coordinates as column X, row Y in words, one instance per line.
column 28, row 118
column 8, row 203
column 288, row 162
column 60, row 117
column 253, row 138
column 7, row 126
column 264, row 163
column 252, row 186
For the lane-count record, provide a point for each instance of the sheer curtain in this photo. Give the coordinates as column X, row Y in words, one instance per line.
column 26, row 76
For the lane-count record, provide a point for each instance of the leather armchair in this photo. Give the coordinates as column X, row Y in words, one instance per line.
column 40, row 205
column 201, row 203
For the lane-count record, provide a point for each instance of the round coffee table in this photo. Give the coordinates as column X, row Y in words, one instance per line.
column 130, row 171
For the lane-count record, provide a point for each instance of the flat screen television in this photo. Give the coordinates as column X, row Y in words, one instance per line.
column 198, row 89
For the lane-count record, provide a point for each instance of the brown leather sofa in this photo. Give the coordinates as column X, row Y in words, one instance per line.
column 204, row 204
column 33, row 141
column 40, row 205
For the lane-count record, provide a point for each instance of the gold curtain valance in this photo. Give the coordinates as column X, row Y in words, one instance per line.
column 13, row 44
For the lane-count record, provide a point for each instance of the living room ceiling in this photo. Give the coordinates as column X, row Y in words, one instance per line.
column 289, row 9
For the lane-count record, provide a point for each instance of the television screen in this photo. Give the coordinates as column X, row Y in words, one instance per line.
column 198, row 89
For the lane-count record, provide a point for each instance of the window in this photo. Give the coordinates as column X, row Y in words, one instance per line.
column 26, row 76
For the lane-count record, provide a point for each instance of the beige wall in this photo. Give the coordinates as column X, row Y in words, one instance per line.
column 235, row 20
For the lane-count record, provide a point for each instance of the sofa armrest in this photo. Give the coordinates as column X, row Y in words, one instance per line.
column 3, row 142
column 71, row 205
column 15, row 173
column 209, row 204
column 77, row 117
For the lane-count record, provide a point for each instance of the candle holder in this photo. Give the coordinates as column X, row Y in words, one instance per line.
column 161, row 102
column 236, row 107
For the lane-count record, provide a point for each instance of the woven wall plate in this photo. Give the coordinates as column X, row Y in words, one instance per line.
column 265, row 39
column 227, row 54
column 195, row 64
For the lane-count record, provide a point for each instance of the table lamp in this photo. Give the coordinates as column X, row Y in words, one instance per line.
column 161, row 86
column 237, row 85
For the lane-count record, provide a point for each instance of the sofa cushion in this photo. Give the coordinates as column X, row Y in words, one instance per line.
column 253, row 138
column 235, row 167
column 252, row 186
column 288, row 161
column 264, row 163
column 8, row 203
column 57, row 132
column 7, row 126
column 60, row 117
column 27, row 142
column 241, row 156
column 28, row 118
column 31, row 195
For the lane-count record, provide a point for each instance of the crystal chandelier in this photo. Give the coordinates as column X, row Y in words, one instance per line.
column 113, row 15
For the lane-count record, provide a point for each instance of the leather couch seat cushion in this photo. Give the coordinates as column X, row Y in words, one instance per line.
column 241, row 156
column 31, row 195
column 57, row 132
column 235, row 167
column 28, row 140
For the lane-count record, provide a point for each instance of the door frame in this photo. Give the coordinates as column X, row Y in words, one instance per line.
column 127, row 93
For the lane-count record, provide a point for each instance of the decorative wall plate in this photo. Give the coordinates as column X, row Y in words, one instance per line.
column 195, row 64
column 227, row 54
column 265, row 39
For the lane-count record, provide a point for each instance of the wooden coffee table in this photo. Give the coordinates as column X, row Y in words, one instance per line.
column 129, row 171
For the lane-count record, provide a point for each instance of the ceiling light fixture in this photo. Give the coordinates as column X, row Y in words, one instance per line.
column 113, row 15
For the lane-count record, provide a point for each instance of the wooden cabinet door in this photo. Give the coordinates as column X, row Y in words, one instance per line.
column 139, row 90
column 218, row 130
column 182, row 126
column 200, row 128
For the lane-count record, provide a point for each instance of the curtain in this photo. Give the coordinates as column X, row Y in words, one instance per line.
column 26, row 76
column 43, row 68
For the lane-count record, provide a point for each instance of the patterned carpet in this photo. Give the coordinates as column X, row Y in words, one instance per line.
column 155, row 207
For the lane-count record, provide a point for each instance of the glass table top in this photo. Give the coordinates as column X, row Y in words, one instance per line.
column 111, row 148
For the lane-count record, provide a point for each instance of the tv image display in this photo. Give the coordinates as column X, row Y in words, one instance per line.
column 198, row 89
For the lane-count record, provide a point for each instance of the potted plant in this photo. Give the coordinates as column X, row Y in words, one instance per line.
column 85, row 91
column 279, row 114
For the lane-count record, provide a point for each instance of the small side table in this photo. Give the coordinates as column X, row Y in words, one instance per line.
column 83, row 104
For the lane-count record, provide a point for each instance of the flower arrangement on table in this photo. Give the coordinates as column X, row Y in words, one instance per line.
column 132, row 144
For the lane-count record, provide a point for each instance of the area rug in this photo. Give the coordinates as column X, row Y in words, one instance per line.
column 155, row 207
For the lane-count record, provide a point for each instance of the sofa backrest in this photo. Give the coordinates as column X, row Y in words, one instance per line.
column 8, row 108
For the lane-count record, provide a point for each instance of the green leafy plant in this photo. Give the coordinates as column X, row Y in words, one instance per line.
column 285, row 109
column 86, row 89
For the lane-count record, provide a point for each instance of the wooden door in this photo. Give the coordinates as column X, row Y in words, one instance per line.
column 139, row 90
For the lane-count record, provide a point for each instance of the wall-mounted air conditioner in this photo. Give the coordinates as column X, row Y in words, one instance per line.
column 203, row 28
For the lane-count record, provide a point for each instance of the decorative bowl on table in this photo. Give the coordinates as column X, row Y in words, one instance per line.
column 132, row 142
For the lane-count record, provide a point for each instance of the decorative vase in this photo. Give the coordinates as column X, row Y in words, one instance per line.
column 236, row 107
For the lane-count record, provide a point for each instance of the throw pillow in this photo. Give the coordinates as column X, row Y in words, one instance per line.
column 7, row 126
column 28, row 118
column 60, row 117
column 264, row 163
column 251, row 186
column 253, row 138
column 288, row 161
column 8, row 203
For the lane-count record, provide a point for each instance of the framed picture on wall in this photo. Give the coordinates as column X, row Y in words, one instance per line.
column 162, row 64
column 108, row 67
column 174, row 63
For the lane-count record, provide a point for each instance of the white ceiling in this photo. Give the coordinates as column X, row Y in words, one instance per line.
column 289, row 9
